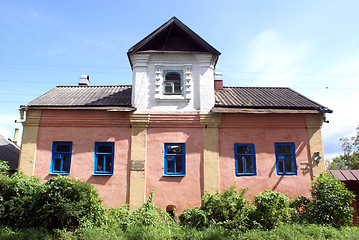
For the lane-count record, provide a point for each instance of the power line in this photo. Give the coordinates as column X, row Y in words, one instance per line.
column 120, row 67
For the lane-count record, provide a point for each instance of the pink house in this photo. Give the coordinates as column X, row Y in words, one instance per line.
column 175, row 130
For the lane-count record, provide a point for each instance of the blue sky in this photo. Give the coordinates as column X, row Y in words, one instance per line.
column 310, row 46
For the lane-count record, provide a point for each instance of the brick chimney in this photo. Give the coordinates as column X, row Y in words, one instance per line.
column 218, row 81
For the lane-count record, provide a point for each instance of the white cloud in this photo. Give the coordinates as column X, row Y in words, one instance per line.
column 270, row 53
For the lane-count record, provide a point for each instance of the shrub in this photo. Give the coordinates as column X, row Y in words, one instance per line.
column 301, row 206
column 194, row 217
column 227, row 209
column 65, row 202
column 330, row 202
column 271, row 208
column 16, row 194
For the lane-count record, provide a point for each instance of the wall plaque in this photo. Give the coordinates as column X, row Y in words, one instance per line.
column 138, row 165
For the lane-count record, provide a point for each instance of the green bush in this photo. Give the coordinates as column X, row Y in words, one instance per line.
column 194, row 217
column 16, row 194
column 227, row 209
column 301, row 206
column 330, row 202
column 271, row 208
column 65, row 202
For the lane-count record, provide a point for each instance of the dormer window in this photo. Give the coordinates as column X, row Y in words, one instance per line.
column 172, row 84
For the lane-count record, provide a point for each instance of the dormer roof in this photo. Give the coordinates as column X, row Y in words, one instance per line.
column 173, row 36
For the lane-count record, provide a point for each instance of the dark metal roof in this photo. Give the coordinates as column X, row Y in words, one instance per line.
column 345, row 175
column 264, row 98
column 85, row 96
column 173, row 36
column 9, row 152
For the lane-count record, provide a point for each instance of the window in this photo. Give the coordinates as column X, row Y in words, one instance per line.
column 175, row 159
column 104, row 152
column 245, row 159
column 285, row 159
column 61, row 157
column 172, row 83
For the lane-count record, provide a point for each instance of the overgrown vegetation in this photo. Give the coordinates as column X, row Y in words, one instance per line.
column 66, row 208
column 350, row 157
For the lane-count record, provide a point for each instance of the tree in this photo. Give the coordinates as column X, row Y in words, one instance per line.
column 350, row 158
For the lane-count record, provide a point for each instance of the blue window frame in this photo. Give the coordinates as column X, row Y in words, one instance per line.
column 285, row 159
column 104, row 152
column 175, row 159
column 245, row 156
column 61, row 157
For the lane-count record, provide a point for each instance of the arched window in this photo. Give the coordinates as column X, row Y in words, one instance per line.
column 173, row 83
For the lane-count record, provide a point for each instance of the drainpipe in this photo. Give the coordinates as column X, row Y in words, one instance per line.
column 22, row 111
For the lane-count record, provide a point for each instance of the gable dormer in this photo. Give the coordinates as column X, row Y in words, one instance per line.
column 173, row 70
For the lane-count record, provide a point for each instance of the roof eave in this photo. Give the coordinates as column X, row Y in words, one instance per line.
column 81, row 107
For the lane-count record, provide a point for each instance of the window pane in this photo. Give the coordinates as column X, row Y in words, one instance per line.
column 249, row 164
column 284, row 149
column 281, row 166
column 244, row 149
column 170, row 166
column 57, row 166
column 62, row 148
column 290, row 164
column 108, row 163
column 65, row 162
column 174, row 149
column 173, row 76
column 240, row 164
column 168, row 87
column 104, row 149
column 179, row 165
column 100, row 163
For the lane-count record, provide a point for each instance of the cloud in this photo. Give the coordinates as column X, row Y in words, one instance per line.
column 269, row 53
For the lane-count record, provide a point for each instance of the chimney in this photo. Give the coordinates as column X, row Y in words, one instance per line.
column 218, row 81
column 84, row 80
column 16, row 133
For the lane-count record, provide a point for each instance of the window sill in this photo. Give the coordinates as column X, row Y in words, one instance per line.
column 102, row 174
column 174, row 175
column 246, row 175
column 59, row 173
column 287, row 174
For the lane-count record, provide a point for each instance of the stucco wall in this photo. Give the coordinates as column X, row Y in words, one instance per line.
column 182, row 192
column 263, row 131
column 198, row 92
column 84, row 129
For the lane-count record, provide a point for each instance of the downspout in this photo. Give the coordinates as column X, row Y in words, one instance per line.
column 22, row 111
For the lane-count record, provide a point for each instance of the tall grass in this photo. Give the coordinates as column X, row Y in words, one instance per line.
column 175, row 231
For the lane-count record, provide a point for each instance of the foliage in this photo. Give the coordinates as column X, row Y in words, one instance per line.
column 64, row 202
column 303, row 232
column 194, row 217
column 330, row 202
column 4, row 167
column 271, row 208
column 283, row 231
column 301, row 206
column 227, row 209
column 350, row 158
column 16, row 194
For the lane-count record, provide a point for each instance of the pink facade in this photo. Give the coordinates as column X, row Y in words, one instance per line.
column 83, row 129
column 181, row 192
column 264, row 131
